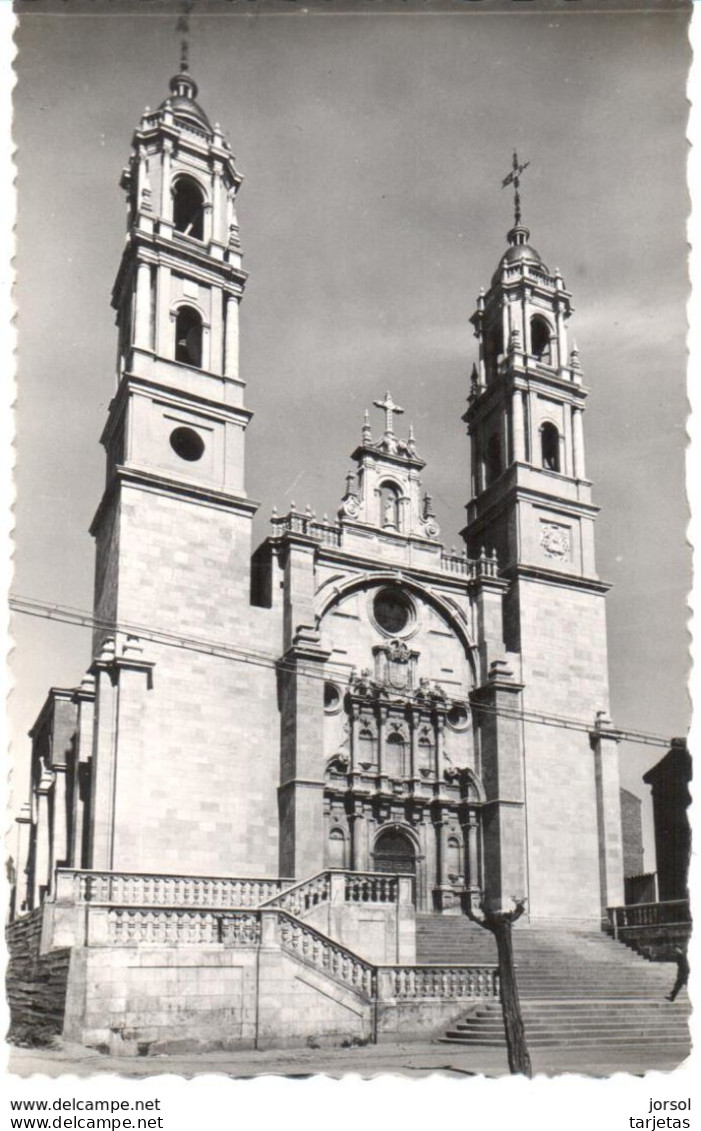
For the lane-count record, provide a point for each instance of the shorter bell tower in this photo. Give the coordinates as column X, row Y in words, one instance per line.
column 531, row 505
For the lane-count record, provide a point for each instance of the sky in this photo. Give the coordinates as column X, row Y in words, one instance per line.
column 373, row 146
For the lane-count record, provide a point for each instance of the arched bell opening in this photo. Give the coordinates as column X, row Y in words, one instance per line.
column 188, row 208
column 550, row 447
column 188, row 336
column 541, row 335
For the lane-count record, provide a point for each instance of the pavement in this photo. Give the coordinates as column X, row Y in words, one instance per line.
column 411, row 1059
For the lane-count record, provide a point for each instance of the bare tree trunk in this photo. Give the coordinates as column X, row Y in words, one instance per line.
column 499, row 923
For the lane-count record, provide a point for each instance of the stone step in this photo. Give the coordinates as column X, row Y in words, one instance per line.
column 596, row 1025
column 672, row 1043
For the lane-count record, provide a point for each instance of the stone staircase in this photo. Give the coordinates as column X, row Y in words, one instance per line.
column 578, row 987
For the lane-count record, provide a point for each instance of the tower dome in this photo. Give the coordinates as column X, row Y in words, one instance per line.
column 519, row 250
column 182, row 100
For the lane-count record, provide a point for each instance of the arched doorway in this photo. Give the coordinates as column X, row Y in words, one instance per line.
column 394, row 852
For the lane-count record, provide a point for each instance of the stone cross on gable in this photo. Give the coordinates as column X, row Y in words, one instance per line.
column 389, row 407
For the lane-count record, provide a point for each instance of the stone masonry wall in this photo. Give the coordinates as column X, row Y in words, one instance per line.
column 198, row 754
column 564, row 658
column 36, row 983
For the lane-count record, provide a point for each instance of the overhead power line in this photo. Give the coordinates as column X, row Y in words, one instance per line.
column 64, row 614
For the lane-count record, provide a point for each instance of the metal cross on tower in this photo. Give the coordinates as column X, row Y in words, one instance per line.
column 514, row 179
column 183, row 28
column 388, row 407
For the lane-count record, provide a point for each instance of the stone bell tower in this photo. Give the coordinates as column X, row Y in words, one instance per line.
column 173, row 529
column 531, row 503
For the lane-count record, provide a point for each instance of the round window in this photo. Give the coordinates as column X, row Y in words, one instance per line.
column 457, row 716
column 393, row 611
column 187, row 444
column 332, row 698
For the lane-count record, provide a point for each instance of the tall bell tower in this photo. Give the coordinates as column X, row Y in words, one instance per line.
column 531, row 504
column 173, row 529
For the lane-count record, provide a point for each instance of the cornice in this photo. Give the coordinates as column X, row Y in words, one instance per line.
column 163, row 485
column 552, row 577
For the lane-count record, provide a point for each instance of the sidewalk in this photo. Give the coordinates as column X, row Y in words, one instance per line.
column 406, row 1059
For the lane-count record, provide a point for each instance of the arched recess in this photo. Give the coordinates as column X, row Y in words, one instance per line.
column 550, row 447
column 396, row 756
column 390, row 497
column 189, row 207
column 541, row 335
column 474, row 786
column 327, row 601
column 454, row 860
column 189, row 334
column 337, row 853
column 394, row 850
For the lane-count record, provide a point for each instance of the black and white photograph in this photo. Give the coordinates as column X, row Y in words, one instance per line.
column 349, row 680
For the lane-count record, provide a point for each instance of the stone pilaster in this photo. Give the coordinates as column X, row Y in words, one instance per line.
column 501, row 766
column 604, row 742
column 301, row 791
column 24, row 826
column 121, row 686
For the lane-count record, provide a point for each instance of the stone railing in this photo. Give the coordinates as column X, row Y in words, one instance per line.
column 297, row 523
column 302, row 897
column 456, row 563
column 140, row 889
column 371, row 887
column 168, row 926
column 327, row 956
column 486, row 565
column 385, row 983
column 340, row 887
column 633, row 916
column 447, row 983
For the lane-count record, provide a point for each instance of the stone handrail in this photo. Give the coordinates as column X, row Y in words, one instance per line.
column 371, row 887
column 327, row 956
column 448, row 983
column 337, row 886
column 295, row 523
column 456, row 563
column 667, row 913
column 172, row 925
column 176, row 926
column 138, row 888
column 301, row 897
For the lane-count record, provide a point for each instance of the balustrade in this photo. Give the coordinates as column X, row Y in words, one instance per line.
column 133, row 888
column 371, row 887
column 294, row 522
column 671, row 912
column 173, row 926
column 328, row 956
column 303, row 896
column 448, row 983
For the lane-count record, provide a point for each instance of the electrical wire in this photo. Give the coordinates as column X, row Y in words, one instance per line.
column 64, row 614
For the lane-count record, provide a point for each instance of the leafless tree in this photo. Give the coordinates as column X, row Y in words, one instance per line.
column 499, row 923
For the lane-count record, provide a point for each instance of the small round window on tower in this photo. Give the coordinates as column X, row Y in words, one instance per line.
column 187, row 444
column 393, row 611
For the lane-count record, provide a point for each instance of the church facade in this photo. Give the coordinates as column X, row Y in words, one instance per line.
column 350, row 697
